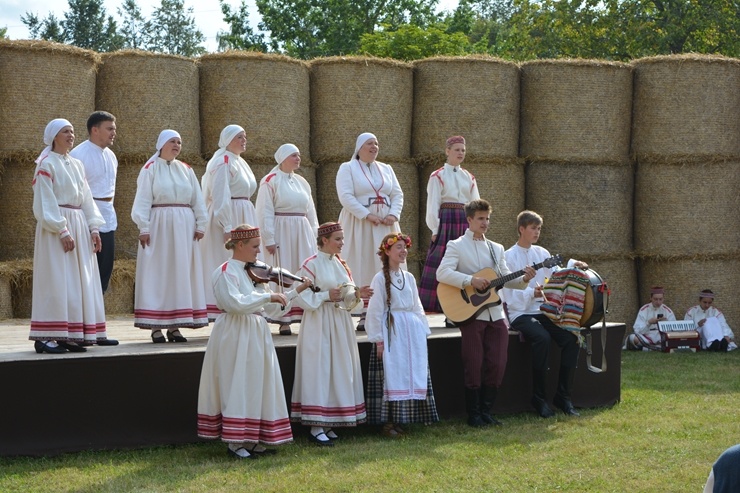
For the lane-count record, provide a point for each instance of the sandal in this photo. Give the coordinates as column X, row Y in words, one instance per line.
column 316, row 438
column 330, row 434
column 157, row 337
column 72, row 347
column 258, row 449
column 235, row 450
column 285, row 330
column 175, row 336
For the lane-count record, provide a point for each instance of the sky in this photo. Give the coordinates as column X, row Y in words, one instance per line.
column 207, row 14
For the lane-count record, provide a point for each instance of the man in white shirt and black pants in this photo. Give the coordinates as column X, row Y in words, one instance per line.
column 101, row 167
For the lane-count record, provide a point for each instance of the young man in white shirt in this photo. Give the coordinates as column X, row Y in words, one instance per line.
column 716, row 335
column 485, row 337
column 645, row 329
column 525, row 316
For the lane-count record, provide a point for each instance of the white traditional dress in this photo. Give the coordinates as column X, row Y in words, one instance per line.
column 648, row 334
column 67, row 298
column 228, row 185
column 714, row 329
column 287, row 218
column 170, row 291
column 403, row 376
column 241, row 396
column 366, row 188
column 327, row 389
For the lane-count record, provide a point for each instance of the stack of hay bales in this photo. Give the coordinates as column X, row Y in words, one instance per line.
column 352, row 95
column 686, row 139
column 575, row 135
column 40, row 81
column 476, row 97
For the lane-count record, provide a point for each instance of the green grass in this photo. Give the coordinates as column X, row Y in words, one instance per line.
column 678, row 413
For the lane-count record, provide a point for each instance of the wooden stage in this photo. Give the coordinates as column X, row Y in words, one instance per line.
column 141, row 394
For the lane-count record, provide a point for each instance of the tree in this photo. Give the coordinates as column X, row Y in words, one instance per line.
column 3, row 32
column 132, row 27
column 172, row 30
column 87, row 26
column 311, row 28
column 240, row 36
column 49, row 28
column 410, row 42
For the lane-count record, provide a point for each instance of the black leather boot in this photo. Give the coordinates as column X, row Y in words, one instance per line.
column 472, row 406
column 562, row 397
column 539, row 396
column 487, row 398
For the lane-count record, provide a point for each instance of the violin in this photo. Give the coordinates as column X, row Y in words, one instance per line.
column 260, row 272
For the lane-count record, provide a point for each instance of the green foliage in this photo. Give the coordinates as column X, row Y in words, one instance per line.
column 240, row 36
column 312, row 28
column 412, row 43
column 3, row 32
column 172, row 29
column 49, row 28
column 132, row 27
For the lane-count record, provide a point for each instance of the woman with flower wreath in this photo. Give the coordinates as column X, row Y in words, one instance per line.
column 399, row 388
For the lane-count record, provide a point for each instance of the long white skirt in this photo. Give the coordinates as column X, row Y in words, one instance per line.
column 169, row 289
column 295, row 237
column 241, row 396
column 361, row 242
column 212, row 246
column 67, row 300
column 327, row 389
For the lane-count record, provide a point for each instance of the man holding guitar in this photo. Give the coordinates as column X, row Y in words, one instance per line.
column 485, row 336
column 526, row 317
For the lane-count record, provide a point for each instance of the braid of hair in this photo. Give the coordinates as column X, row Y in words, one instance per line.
column 387, row 275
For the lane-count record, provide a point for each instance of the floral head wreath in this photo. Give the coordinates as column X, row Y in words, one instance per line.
column 390, row 241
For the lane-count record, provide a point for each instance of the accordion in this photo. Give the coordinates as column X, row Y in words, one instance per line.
column 678, row 335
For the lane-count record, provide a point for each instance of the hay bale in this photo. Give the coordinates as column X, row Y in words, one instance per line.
column 148, row 93
column 21, row 287
column 327, row 201
column 16, row 214
column 268, row 95
column 6, row 291
column 500, row 182
column 352, row 95
column 620, row 275
column 683, row 278
column 686, row 107
column 488, row 88
column 576, row 110
column 42, row 81
column 595, row 216
column 119, row 298
column 687, row 209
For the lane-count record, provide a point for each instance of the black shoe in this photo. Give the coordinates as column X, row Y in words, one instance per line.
column 107, row 342
column 714, row 346
column 43, row 347
column 72, row 347
column 487, row 399
column 723, row 345
column 540, row 405
column 175, row 336
column 331, row 435
column 361, row 325
column 285, row 330
column 323, row 443
column 565, row 405
column 472, row 406
column 158, row 339
column 237, row 456
column 265, row 451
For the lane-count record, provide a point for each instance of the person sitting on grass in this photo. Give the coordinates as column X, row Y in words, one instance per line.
column 715, row 334
column 646, row 335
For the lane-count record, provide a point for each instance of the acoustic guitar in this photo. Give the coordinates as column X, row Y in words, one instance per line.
column 460, row 305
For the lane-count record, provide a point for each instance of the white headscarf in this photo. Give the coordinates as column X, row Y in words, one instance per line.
column 228, row 134
column 361, row 139
column 50, row 132
column 284, row 151
column 164, row 136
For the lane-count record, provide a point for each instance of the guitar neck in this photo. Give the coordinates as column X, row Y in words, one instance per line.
column 500, row 281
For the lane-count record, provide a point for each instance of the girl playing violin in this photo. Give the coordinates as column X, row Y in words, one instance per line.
column 241, row 398
column 399, row 388
column 327, row 390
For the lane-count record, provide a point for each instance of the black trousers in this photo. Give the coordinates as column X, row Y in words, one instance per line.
column 105, row 258
column 539, row 330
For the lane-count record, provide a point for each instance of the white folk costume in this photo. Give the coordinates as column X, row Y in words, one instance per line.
column 449, row 189
column 228, row 185
column 101, row 168
column 327, row 389
column 715, row 328
column 287, row 218
column 67, row 298
column 648, row 334
column 363, row 189
column 241, row 396
column 170, row 291
column 403, row 375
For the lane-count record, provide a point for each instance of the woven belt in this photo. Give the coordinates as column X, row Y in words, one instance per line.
column 239, row 198
column 452, row 205
column 171, row 205
column 67, row 206
column 106, row 199
column 295, row 214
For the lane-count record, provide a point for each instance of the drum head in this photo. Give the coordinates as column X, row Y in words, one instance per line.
column 593, row 306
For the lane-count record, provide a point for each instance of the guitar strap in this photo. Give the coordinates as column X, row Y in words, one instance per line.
column 493, row 257
column 589, row 351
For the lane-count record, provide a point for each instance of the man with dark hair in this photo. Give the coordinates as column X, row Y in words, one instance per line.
column 646, row 335
column 101, row 166
column 485, row 337
column 716, row 335
column 525, row 316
